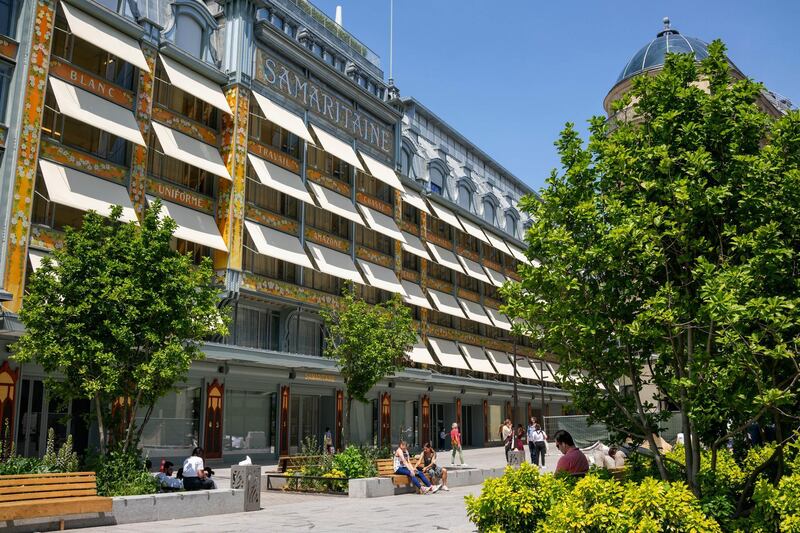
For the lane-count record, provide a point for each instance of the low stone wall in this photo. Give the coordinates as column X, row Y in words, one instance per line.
column 375, row 487
column 145, row 508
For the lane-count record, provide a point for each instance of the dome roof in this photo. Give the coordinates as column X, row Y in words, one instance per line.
column 652, row 54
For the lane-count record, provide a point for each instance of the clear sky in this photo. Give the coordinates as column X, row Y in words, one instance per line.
column 509, row 74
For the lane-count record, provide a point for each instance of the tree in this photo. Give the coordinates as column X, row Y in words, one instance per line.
column 669, row 252
column 368, row 343
column 116, row 316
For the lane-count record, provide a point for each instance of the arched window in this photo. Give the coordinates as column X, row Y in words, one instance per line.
column 189, row 35
column 464, row 196
column 405, row 163
column 437, row 181
column 511, row 224
column 489, row 212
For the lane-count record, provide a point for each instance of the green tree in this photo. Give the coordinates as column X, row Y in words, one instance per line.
column 117, row 314
column 368, row 343
column 669, row 260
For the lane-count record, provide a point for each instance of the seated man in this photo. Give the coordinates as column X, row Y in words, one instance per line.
column 165, row 480
column 615, row 458
column 426, row 464
column 573, row 462
column 403, row 467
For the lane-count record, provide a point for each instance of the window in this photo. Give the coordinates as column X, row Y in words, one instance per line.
column 256, row 328
column 410, row 214
column 5, row 83
column 89, row 57
column 374, row 240
column 440, row 228
column 511, row 225
column 51, row 214
column 168, row 169
column 489, row 212
column 375, row 188
column 492, row 254
column 271, row 134
column 8, row 17
column 411, row 262
column 175, row 419
column 467, row 326
column 440, row 319
column 328, row 222
column 277, row 21
column 464, row 197
column 196, row 251
column 268, row 267
column 71, row 132
column 304, row 335
column 373, row 295
column 490, row 291
column 321, row 281
column 437, row 181
column 468, row 282
column 189, row 35
column 468, row 241
column 186, row 104
column 327, row 164
column 442, row 273
column 249, row 421
column 267, row 198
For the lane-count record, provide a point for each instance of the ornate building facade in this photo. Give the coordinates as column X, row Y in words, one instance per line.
column 271, row 138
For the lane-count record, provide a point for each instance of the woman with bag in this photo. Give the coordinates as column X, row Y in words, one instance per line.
column 539, row 438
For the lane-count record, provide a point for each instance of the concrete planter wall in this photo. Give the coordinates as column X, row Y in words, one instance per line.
column 375, row 487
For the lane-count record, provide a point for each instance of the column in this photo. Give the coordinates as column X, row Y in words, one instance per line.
column 143, row 111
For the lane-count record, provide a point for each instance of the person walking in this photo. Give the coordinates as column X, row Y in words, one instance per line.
column 531, row 429
column 506, row 433
column 538, row 446
column 455, row 441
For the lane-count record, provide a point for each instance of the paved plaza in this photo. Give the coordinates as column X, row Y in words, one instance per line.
column 444, row 511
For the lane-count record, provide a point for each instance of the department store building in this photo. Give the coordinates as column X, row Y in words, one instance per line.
column 273, row 140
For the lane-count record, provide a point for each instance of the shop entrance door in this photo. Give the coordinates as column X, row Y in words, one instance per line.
column 466, row 425
column 437, row 425
column 303, row 421
column 29, row 432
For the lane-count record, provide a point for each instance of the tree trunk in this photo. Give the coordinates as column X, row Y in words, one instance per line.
column 131, row 421
column 100, row 426
column 346, row 422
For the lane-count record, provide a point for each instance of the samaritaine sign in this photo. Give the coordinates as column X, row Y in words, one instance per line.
column 323, row 102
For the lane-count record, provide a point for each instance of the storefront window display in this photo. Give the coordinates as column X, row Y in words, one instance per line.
column 248, row 421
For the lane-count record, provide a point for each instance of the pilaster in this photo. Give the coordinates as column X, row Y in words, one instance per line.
column 29, row 128
column 143, row 111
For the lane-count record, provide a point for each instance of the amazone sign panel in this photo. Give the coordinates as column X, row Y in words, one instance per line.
column 322, row 102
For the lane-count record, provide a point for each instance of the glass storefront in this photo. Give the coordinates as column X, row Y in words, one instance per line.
column 249, row 421
column 175, row 420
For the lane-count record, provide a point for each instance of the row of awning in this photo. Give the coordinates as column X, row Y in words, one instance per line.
column 465, row 356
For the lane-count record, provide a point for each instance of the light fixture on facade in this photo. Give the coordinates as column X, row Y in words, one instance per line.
column 292, row 374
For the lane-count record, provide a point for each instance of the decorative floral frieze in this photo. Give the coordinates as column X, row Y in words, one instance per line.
column 469, row 254
column 488, row 263
column 47, row 238
column 373, row 256
column 288, row 291
column 179, row 195
column 409, row 227
column 374, row 203
column 231, row 200
column 434, row 330
column 8, row 48
column 144, row 106
column 3, row 136
column 89, row 82
column 272, row 220
column 410, row 275
column 273, row 156
column 435, row 239
column 184, row 125
column 469, row 295
column 326, row 181
column 326, row 239
column 439, row 285
column 491, row 302
column 82, row 161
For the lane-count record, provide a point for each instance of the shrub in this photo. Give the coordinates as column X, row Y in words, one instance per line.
column 518, row 501
column 354, row 463
column 63, row 460
column 122, row 474
column 777, row 508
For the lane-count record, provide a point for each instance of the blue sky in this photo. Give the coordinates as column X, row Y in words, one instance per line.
column 509, row 74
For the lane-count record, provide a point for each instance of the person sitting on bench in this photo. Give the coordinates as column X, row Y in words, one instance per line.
column 194, row 473
column 427, row 465
column 403, row 467
column 166, row 482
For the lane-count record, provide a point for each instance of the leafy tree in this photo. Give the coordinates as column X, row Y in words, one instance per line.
column 116, row 316
column 368, row 343
column 669, row 252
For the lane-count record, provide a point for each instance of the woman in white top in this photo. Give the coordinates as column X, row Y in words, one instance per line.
column 539, row 439
column 194, row 472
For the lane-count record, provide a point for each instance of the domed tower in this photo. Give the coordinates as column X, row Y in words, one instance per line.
column 650, row 60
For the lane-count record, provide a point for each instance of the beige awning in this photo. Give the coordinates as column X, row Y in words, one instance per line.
column 413, row 294
column 380, row 277
column 473, row 269
column 36, row 257
column 334, row 263
column 280, row 179
column 497, row 242
column 95, row 111
column 496, row 277
column 413, row 198
column 335, row 203
column 189, row 150
column 195, row 84
column 104, row 36
column 473, row 229
column 445, row 214
column 524, row 368
column 553, row 371
column 501, row 362
column 420, row 354
column 446, row 303
column 519, row 255
column 474, row 311
column 476, row 358
column 193, row 226
column 413, row 245
column 283, row 117
column 73, row 188
column 448, row 353
column 381, row 223
column 276, row 244
column 498, row 318
column 336, row 147
column 382, row 172
column 445, row 257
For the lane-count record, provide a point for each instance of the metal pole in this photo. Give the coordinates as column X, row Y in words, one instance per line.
column 514, row 414
column 541, row 384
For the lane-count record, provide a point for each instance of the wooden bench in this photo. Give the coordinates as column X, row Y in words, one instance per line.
column 386, row 469
column 45, row 495
column 295, row 462
column 618, row 473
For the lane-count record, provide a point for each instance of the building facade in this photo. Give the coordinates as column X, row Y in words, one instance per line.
column 272, row 139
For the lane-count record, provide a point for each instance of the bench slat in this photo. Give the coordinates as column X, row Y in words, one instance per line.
column 13, row 481
column 39, row 508
column 56, row 474
column 34, row 489
column 49, row 495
